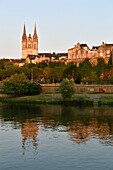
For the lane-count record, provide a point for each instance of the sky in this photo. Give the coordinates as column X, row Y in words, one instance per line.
column 60, row 24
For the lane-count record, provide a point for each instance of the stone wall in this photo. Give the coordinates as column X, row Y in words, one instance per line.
column 94, row 88
column 49, row 88
column 53, row 88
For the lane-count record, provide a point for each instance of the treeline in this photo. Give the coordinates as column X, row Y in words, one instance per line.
column 55, row 72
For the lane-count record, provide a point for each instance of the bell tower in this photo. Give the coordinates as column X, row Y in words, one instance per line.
column 24, row 43
column 35, row 41
column 29, row 44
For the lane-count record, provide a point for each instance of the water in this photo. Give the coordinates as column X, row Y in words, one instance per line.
column 55, row 138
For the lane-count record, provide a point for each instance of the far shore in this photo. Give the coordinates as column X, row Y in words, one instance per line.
column 77, row 100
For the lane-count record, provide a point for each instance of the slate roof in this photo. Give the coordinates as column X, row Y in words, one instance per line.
column 32, row 57
column 109, row 44
column 22, row 60
column 46, row 54
column 95, row 47
column 83, row 45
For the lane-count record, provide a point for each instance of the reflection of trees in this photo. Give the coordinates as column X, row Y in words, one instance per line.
column 29, row 131
column 81, row 123
column 81, row 133
column 19, row 113
column 22, row 116
column 51, row 116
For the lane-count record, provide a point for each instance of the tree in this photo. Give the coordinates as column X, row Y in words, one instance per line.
column 67, row 88
column 85, row 68
column 70, row 71
column 18, row 78
column 101, row 67
column 110, row 61
column 19, row 85
column 2, row 63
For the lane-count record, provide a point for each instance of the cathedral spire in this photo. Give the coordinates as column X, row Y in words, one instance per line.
column 35, row 29
column 35, row 33
column 24, row 37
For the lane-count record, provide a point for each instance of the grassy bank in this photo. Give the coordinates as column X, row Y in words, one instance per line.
column 48, row 99
column 77, row 99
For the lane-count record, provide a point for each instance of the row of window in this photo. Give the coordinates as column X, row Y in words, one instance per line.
column 30, row 46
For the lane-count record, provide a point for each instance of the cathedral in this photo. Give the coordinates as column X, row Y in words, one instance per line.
column 30, row 53
column 29, row 44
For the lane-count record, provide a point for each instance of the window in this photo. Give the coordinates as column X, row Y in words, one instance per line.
column 29, row 45
column 101, row 54
column 108, row 51
column 34, row 46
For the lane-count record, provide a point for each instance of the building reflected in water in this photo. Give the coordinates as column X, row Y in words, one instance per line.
column 29, row 131
column 80, row 133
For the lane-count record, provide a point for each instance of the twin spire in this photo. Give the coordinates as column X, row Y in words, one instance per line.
column 24, row 36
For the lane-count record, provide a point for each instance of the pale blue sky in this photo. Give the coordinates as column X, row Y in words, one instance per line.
column 60, row 24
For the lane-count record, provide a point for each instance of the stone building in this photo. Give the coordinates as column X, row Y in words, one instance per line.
column 80, row 52
column 29, row 44
column 30, row 52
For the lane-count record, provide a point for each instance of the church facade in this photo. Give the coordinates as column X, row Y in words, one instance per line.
column 30, row 53
column 29, row 44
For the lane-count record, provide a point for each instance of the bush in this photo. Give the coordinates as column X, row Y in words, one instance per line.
column 33, row 88
column 21, row 88
column 67, row 88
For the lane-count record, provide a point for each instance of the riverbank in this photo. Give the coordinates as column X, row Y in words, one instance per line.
column 77, row 99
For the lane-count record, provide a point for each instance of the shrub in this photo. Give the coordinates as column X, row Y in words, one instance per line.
column 67, row 88
column 19, row 85
column 33, row 88
column 21, row 88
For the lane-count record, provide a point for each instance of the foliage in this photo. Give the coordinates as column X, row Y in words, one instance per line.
column 56, row 64
column 19, row 85
column 110, row 62
column 43, row 64
column 67, row 88
column 18, row 78
column 33, row 88
column 54, row 72
column 85, row 68
column 101, row 67
column 70, row 71
column 2, row 63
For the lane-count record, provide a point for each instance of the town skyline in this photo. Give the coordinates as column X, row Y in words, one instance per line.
column 60, row 24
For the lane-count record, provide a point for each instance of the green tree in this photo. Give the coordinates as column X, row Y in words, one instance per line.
column 85, row 68
column 19, row 85
column 2, row 63
column 67, row 88
column 110, row 61
column 18, row 78
column 70, row 71
column 101, row 67
column 10, row 69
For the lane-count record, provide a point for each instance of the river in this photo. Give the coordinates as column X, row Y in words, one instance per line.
column 53, row 137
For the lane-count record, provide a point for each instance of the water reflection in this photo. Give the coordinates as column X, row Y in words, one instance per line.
column 81, row 133
column 29, row 131
column 81, row 124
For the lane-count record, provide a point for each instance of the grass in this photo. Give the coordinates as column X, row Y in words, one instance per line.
column 77, row 99
column 106, row 100
column 31, row 99
column 48, row 99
